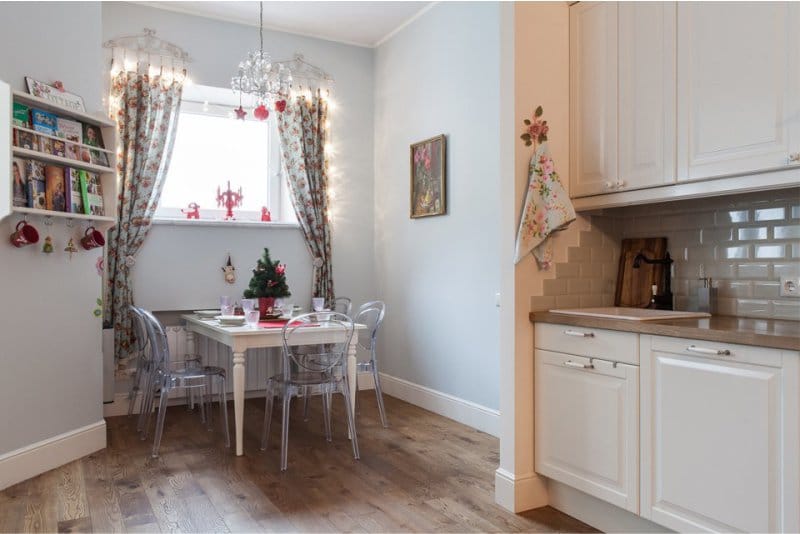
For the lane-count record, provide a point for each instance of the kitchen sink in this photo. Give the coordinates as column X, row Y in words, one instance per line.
column 632, row 314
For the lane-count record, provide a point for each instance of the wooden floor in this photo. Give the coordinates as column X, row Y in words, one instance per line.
column 424, row 473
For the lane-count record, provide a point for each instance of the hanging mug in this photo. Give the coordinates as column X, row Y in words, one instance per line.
column 92, row 239
column 25, row 234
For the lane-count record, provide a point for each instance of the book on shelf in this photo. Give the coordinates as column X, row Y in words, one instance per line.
column 74, row 197
column 84, row 154
column 34, row 170
column 70, row 130
column 19, row 173
column 55, row 198
column 92, row 193
column 27, row 140
column 44, row 121
column 92, row 136
column 21, row 115
column 59, row 148
column 98, row 158
column 45, row 145
column 72, row 151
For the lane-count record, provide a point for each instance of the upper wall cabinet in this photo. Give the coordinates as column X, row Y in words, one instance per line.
column 666, row 96
column 738, row 91
column 593, row 97
column 646, row 94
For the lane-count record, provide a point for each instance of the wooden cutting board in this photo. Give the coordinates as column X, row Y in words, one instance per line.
column 634, row 285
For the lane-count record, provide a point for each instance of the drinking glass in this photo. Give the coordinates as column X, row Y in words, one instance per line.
column 251, row 318
column 249, row 305
column 224, row 301
column 318, row 303
column 226, row 309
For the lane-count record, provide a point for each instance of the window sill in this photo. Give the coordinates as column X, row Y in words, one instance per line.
column 167, row 221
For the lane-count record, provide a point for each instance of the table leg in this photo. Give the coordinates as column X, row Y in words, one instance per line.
column 352, row 370
column 238, row 400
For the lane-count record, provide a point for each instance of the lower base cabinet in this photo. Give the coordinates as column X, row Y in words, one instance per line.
column 698, row 437
column 719, row 436
column 586, row 418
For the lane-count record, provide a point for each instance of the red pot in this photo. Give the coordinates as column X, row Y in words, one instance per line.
column 265, row 305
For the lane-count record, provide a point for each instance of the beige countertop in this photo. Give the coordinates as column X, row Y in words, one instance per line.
column 773, row 333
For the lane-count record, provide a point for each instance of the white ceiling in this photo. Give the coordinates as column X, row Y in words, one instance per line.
column 358, row 23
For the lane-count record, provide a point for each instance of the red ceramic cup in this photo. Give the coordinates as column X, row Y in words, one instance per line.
column 25, row 234
column 92, row 239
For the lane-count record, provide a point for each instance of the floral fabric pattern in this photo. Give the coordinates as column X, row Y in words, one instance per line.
column 547, row 209
column 302, row 134
column 146, row 111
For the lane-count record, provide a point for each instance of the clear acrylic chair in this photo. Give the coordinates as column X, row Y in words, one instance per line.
column 342, row 305
column 143, row 360
column 371, row 314
column 322, row 371
column 165, row 378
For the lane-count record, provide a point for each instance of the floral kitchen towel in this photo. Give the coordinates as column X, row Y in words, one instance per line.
column 547, row 209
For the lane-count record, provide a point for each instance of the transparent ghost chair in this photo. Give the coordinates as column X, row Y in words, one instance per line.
column 321, row 371
column 371, row 314
column 143, row 360
column 166, row 377
column 342, row 305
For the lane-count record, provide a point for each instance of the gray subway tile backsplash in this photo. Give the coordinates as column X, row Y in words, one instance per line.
column 745, row 242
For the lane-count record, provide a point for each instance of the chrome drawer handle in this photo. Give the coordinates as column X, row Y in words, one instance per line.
column 713, row 352
column 578, row 334
column 570, row 363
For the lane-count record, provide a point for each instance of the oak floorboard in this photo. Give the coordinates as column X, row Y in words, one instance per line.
column 424, row 473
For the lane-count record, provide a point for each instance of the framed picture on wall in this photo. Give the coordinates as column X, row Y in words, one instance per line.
column 428, row 178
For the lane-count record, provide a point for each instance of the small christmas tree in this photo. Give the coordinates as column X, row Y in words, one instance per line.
column 269, row 279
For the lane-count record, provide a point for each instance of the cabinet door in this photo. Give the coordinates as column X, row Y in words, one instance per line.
column 737, row 87
column 646, row 94
column 593, row 98
column 5, row 149
column 719, row 438
column 586, row 425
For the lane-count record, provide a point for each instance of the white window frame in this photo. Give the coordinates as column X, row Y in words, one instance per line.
column 212, row 101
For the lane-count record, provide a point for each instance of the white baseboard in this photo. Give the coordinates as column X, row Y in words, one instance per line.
column 518, row 493
column 35, row 459
column 464, row 411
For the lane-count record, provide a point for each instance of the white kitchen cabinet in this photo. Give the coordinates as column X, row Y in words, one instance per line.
column 719, row 436
column 738, row 91
column 593, row 98
column 586, row 413
column 646, row 99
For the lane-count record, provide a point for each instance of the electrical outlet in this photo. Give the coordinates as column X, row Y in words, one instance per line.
column 790, row 286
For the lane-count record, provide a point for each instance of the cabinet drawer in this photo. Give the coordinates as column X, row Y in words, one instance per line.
column 591, row 342
column 715, row 350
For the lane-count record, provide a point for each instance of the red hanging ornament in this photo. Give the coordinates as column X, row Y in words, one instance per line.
column 240, row 113
column 261, row 112
column 280, row 106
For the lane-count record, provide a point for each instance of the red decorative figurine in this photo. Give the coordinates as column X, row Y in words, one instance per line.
column 266, row 216
column 229, row 199
column 193, row 212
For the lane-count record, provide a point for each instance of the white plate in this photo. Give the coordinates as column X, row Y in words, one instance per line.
column 230, row 320
column 209, row 314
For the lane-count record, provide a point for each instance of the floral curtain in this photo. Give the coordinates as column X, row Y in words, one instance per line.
column 147, row 115
column 302, row 133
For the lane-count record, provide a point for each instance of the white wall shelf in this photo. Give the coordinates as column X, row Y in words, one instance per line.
column 107, row 174
column 40, row 134
column 58, row 160
column 62, row 214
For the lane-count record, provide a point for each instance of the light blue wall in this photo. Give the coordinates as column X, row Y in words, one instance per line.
column 439, row 275
column 50, row 356
column 166, row 273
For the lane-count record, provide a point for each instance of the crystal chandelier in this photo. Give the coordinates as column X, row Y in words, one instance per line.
column 258, row 76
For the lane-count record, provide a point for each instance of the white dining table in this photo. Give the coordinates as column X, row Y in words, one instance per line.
column 241, row 338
